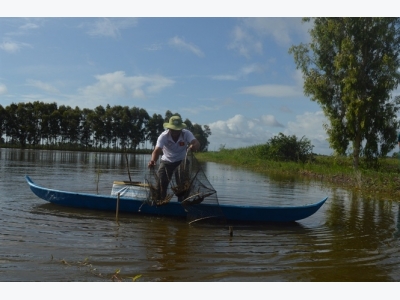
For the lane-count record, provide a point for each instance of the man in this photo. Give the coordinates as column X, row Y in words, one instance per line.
column 173, row 144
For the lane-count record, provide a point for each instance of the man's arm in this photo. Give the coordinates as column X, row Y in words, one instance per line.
column 194, row 145
column 154, row 156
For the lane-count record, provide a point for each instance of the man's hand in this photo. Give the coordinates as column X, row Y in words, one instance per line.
column 194, row 145
column 151, row 164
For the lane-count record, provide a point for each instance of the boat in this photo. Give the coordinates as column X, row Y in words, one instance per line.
column 137, row 205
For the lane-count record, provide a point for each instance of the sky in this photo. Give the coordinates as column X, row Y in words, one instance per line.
column 231, row 72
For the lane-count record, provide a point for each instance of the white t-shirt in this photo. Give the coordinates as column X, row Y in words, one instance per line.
column 172, row 151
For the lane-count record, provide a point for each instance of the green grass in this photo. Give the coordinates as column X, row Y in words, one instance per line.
column 381, row 181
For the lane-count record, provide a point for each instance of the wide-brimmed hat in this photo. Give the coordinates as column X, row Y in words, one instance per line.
column 175, row 123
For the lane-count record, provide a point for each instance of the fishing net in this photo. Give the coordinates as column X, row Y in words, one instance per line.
column 189, row 184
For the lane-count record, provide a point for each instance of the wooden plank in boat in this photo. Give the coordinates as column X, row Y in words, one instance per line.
column 134, row 183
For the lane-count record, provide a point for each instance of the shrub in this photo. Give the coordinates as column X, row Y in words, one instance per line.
column 288, row 148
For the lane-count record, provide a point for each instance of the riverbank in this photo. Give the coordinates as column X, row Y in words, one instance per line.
column 379, row 182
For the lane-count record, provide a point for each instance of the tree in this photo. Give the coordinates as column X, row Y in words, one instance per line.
column 168, row 115
column 2, row 121
column 54, row 124
column 139, row 121
column 17, row 123
column 201, row 135
column 108, row 125
column 350, row 69
column 98, row 120
column 86, row 128
column 47, row 123
column 155, row 127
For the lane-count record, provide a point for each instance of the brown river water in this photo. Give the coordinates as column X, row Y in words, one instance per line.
column 349, row 239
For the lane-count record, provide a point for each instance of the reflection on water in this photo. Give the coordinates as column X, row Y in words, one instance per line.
column 348, row 239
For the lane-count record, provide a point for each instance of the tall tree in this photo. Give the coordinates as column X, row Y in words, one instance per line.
column 97, row 120
column 86, row 128
column 108, row 125
column 2, row 122
column 138, row 127
column 47, row 125
column 350, row 68
column 154, row 128
column 202, row 135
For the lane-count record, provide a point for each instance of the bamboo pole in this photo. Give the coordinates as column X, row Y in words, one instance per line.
column 127, row 165
column 117, row 209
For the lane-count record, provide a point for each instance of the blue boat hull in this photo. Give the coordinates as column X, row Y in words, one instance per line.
column 235, row 213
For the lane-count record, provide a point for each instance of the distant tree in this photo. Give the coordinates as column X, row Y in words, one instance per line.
column 33, row 121
column 202, row 136
column 138, row 126
column 155, row 127
column 189, row 125
column 2, row 121
column 350, row 69
column 64, row 111
column 54, row 124
column 97, row 120
column 108, row 125
column 168, row 115
column 48, row 110
column 16, row 123
column 86, row 126
column 119, row 135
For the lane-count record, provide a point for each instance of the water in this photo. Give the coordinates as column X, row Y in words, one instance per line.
column 348, row 239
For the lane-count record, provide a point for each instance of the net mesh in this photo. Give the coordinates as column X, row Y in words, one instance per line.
column 189, row 184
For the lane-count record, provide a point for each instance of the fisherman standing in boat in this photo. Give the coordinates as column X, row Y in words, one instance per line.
column 172, row 144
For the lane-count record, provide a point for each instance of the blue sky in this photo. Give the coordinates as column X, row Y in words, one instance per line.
column 231, row 73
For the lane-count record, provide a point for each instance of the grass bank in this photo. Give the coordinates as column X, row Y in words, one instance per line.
column 382, row 181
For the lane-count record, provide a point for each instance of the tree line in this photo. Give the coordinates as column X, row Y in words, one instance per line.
column 116, row 128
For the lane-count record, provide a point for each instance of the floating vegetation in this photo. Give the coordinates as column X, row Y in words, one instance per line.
column 116, row 276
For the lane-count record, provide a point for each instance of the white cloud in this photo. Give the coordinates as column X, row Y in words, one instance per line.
column 181, row 44
column 310, row 125
column 29, row 26
column 3, row 89
column 244, row 43
column 243, row 72
column 225, row 77
column 270, row 120
column 272, row 90
column 110, row 27
column 10, row 47
column 42, row 85
column 248, row 36
column 22, row 26
column 154, row 47
column 239, row 131
column 282, row 30
column 309, row 122
column 117, row 84
column 199, row 109
column 277, row 90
